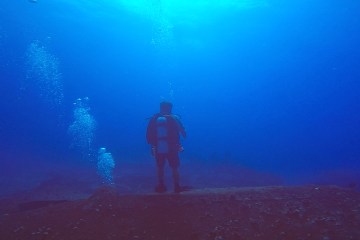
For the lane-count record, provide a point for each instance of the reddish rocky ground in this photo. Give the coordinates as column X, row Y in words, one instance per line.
column 310, row 212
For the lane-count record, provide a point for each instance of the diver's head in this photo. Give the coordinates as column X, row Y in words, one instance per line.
column 165, row 107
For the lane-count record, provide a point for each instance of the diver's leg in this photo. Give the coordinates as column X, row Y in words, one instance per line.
column 176, row 177
column 160, row 161
column 174, row 163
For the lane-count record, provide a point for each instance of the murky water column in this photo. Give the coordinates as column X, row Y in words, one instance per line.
column 105, row 166
column 163, row 41
column 2, row 38
column 82, row 129
column 162, row 31
column 43, row 76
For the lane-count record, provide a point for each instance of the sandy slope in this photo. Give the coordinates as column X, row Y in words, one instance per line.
column 308, row 212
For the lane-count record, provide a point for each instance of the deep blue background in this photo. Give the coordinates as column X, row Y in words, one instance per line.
column 274, row 87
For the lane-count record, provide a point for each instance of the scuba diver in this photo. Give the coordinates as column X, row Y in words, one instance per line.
column 163, row 134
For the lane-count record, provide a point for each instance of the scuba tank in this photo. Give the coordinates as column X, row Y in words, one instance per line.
column 162, row 135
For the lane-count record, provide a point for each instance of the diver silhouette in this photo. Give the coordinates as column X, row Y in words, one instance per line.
column 163, row 134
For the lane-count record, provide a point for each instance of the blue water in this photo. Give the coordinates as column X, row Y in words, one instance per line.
column 270, row 85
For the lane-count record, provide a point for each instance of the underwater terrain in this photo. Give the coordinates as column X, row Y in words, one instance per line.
column 228, row 213
column 267, row 90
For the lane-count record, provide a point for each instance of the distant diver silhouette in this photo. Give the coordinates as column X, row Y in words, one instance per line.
column 33, row 1
column 163, row 134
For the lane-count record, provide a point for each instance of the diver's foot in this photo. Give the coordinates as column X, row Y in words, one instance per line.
column 179, row 189
column 160, row 188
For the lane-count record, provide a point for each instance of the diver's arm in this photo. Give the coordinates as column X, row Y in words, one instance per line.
column 150, row 132
column 181, row 128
